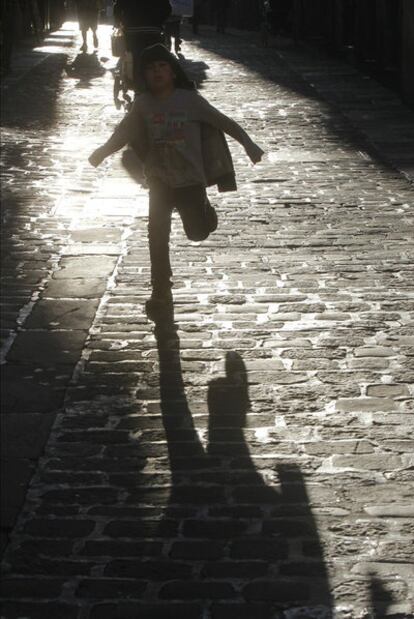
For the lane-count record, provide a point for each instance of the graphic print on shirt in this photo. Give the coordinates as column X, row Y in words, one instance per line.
column 168, row 127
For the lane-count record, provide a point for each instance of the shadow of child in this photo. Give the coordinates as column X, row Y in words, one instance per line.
column 254, row 548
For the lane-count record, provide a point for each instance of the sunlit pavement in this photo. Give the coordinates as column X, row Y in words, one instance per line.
column 256, row 462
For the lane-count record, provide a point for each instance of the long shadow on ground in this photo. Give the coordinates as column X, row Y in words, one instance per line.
column 336, row 88
column 232, row 545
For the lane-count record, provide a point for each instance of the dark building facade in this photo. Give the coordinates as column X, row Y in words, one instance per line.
column 376, row 33
column 22, row 19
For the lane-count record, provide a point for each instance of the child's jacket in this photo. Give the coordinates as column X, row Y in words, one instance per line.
column 181, row 140
column 218, row 163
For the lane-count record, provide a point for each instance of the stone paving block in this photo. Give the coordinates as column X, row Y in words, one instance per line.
column 390, row 511
column 39, row 610
column 80, row 267
column 131, row 610
column 281, row 592
column 400, row 445
column 85, row 288
column 369, row 461
column 63, row 528
column 31, row 587
column 156, row 570
column 47, row 348
column 122, row 549
column 376, row 351
column 96, row 235
column 365, row 404
column 30, row 389
column 388, row 391
column 193, row 590
column 24, row 436
column 92, row 249
column 233, row 610
column 57, row 314
column 197, row 550
column 107, row 588
column 15, row 476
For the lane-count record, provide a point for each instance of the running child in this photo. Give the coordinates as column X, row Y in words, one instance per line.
column 179, row 137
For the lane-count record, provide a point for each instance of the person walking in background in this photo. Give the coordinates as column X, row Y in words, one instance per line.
column 195, row 20
column 172, row 31
column 265, row 25
column 7, row 28
column 221, row 9
column 142, row 22
column 88, row 14
column 166, row 122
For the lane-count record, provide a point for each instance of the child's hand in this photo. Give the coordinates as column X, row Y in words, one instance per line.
column 255, row 153
column 97, row 157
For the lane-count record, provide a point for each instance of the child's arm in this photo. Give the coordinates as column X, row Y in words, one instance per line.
column 209, row 114
column 123, row 134
column 109, row 148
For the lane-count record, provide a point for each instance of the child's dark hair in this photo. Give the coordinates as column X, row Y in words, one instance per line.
column 158, row 52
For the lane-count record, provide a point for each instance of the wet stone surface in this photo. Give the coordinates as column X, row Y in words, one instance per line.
column 256, row 460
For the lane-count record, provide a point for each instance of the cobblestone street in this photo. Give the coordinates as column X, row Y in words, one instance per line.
column 256, row 462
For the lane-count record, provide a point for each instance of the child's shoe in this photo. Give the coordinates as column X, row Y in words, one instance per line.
column 211, row 217
column 84, row 48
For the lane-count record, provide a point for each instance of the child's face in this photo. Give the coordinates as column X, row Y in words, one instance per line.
column 159, row 76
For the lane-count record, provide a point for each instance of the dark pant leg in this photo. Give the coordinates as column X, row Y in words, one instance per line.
column 136, row 42
column 192, row 204
column 159, row 227
column 195, row 19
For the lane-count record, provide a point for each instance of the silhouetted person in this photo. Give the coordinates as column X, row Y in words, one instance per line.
column 195, row 20
column 221, row 9
column 7, row 33
column 265, row 23
column 88, row 14
column 172, row 31
column 180, row 137
column 142, row 22
column 230, row 520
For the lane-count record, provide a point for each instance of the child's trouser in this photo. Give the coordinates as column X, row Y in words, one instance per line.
column 195, row 212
